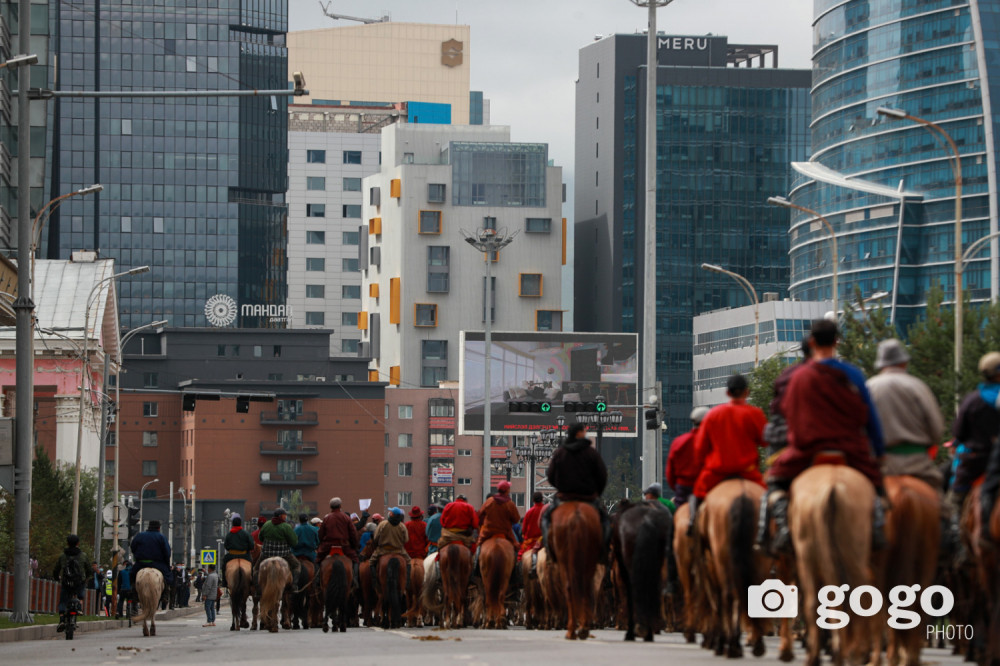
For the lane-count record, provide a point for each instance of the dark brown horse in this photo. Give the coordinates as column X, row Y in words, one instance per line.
column 642, row 544
column 575, row 539
column 298, row 598
column 239, row 581
column 414, row 611
column 336, row 576
column 455, row 564
column 913, row 531
column 496, row 561
column 533, row 600
column 391, row 589
column 986, row 622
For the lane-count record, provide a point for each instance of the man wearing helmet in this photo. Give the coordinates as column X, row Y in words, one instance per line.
column 682, row 468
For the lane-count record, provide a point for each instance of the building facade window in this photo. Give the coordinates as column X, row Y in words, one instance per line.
column 435, row 193
column 352, row 184
column 441, row 406
column 464, row 481
column 465, row 453
column 405, row 498
column 405, row 411
column 150, row 409
column 405, row 440
column 149, row 438
column 430, row 222
column 441, row 437
column 530, row 285
column 317, row 264
column 316, row 210
column 315, row 238
column 315, row 291
column 438, row 268
column 351, row 211
column 490, row 223
column 315, row 318
column 351, row 238
column 349, row 319
column 316, row 156
column 433, row 362
column 538, row 225
column 352, row 157
column 498, row 174
column 316, row 183
column 349, row 265
column 548, row 320
column 150, row 380
column 349, row 346
column 405, row 469
column 352, row 291
column 425, row 315
column 149, row 468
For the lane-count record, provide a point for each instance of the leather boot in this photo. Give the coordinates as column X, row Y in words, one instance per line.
column 693, row 503
column 782, row 542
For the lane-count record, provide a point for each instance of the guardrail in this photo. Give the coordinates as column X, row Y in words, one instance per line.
column 288, row 448
column 272, row 478
column 281, row 418
column 43, row 596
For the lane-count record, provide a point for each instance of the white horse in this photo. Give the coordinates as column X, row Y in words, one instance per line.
column 149, row 586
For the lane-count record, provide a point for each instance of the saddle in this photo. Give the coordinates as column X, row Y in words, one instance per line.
column 829, row 457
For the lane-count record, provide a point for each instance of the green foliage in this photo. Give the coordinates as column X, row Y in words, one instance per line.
column 761, row 381
column 862, row 328
column 52, row 514
column 621, row 475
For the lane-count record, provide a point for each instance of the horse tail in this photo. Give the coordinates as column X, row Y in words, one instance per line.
column 742, row 532
column 428, row 594
column 579, row 560
column 392, row 577
column 839, row 555
column 647, row 563
column 336, row 588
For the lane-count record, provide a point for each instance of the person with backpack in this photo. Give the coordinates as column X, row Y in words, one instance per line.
column 70, row 571
column 124, row 587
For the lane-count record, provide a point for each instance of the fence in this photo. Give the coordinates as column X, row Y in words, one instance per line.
column 43, row 596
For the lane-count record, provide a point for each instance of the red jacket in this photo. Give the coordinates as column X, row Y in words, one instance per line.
column 459, row 515
column 416, row 546
column 531, row 527
column 682, row 464
column 498, row 516
column 728, row 439
column 338, row 530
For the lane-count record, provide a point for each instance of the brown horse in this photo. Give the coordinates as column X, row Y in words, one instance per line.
column 533, row 607
column 829, row 515
column 275, row 577
column 455, row 562
column 414, row 611
column 238, row 578
column 298, row 598
column 727, row 524
column 149, row 587
column 551, row 579
column 497, row 558
column 641, row 543
column 986, row 621
column 391, row 589
column 575, row 539
column 694, row 599
column 336, row 576
column 913, row 531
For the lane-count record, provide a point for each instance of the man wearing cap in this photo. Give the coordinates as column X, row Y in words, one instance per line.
column 279, row 538
column 150, row 549
column 433, row 529
column 459, row 521
column 497, row 517
column 654, row 495
column 682, row 469
column 391, row 537
column 416, row 545
column 976, row 427
column 338, row 531
column 308, row 537
column 238, row 545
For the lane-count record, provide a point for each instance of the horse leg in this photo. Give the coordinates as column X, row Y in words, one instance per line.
column 152, row 626
column 145, row 628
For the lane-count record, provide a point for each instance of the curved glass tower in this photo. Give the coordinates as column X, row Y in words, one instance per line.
column 886, row 185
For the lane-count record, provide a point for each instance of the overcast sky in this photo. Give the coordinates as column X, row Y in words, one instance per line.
column 525, row 52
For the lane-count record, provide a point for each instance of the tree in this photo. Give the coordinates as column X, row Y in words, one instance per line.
column 621, row 476
column 761, row 381
column 862, row 328
column 932, row 345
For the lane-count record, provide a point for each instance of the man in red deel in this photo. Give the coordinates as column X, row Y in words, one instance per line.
column 458, row 523
column 727, row 443
column 682, row 465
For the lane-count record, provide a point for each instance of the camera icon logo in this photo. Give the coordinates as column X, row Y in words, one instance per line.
column 772, row 598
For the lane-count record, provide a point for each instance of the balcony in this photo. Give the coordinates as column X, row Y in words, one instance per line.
column 303, row 507
column 288, row 448
column 284, row 418
column 273, row 478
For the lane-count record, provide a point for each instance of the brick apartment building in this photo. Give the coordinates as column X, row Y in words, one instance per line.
column 320, row 434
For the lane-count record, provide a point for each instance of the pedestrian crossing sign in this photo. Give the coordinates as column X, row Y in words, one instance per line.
column 207, row 557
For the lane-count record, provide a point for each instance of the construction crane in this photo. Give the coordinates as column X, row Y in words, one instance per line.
column 345, row 17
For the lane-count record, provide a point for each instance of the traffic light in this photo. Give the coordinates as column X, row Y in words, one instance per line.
column 652, row 419
column 600, row 405
column 515, row 406
column 132, row 521
column 572, row 406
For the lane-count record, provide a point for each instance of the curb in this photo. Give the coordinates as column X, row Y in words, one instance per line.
column 48, row 631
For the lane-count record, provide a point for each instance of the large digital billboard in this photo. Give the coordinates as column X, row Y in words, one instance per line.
column 552, row 367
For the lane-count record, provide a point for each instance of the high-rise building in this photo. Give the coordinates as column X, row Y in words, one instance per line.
column 193, row 187
column 886, row 185
column 422, row 284
column 727, row 128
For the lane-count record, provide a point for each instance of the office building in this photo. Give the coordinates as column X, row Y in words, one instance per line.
column 193, row 187
column 886, row 185
column 728, row 341
column 728, row 128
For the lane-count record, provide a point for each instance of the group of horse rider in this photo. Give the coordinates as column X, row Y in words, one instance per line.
column 888, row 425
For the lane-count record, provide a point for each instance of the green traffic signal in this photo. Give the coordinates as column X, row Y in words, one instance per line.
column 546, row 407
column 602, row 407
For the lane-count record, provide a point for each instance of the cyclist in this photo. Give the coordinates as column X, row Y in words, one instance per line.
column 70, row 571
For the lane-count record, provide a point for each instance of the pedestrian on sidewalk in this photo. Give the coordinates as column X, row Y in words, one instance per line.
column 209, row 591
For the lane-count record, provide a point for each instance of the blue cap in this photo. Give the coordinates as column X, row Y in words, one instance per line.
column 396, row 510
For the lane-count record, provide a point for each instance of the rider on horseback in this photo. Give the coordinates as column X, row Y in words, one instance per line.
column 531, row 531
column 578, row 473
column 150, row 549
column 458, row 523
column 238, row 545
column 308, row 537
column 653, row 494
column 278, row 539
column 338, row 531
column 497, row 518
column 416, row 545
column 727, row 444
column 828, row 409
column 976, row 427
column 390, row 538
column 682, row 470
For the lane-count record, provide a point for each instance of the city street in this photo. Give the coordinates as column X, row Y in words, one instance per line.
column 185, row 641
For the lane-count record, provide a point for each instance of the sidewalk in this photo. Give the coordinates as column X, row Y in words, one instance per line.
column 44, row 631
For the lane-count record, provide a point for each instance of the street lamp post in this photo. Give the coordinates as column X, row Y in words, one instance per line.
column 83, row 387
column 47, row 210
column 956, row 170
column 752, row 295
column 489, row 241
column 142, row 496
column 835, row 255
column 540, row 447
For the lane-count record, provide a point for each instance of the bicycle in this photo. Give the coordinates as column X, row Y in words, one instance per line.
column 68, row 619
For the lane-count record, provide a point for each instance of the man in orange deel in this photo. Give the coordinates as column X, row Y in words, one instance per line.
column 727, row 443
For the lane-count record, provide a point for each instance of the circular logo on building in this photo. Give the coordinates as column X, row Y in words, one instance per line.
column 220, row 310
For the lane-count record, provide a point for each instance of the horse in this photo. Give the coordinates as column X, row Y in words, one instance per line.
column 239, row 580
column 391, row 589
column 575, row 538
column 455, row 562
column 829, row 515
column 533, row 608
column 986, row 558
column 641, row 543
column 414, row 612
column 497, row 558
column 299, row 597
column 694, row 599
column 335, row 578
column 431, row 594
column 274, row 576
column 913, row 533
column 149, row 587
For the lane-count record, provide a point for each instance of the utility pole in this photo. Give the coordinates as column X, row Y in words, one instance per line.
column 170, row 523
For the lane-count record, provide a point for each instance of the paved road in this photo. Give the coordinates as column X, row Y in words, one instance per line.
column 185, row 641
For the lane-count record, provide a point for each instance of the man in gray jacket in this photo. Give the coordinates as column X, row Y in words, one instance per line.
column 209, row 591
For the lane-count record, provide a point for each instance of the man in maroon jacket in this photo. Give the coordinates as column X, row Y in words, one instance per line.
column 338, row 530
column 416, row 545
column 682, row 466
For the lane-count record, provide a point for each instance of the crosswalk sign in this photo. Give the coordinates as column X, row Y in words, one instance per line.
column 207, row 557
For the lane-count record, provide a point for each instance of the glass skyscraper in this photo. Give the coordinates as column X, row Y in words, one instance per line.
column 886, row 185
column 194, row 187
column 727, row 128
